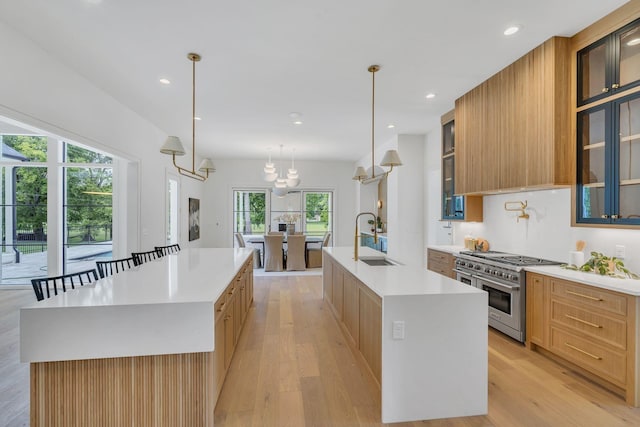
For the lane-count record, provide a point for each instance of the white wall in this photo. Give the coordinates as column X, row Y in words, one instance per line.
column 39, row 91
column 217, row 202
column 405, row 198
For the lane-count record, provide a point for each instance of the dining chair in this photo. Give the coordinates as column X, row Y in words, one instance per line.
column 108, row 268
column 168, row 250
column 257, row 253
column 275, row 233
column 314, row 253
column 295, row 252
column 60, row 283
column 140, row 258
column 273, row 252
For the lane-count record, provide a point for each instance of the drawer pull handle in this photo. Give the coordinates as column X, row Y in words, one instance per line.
column 584, row 296
column 582, row 351
column 583, row 321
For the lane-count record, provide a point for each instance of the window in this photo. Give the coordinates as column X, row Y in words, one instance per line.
column 318, row 214
column 249, row 211
column 55, row 207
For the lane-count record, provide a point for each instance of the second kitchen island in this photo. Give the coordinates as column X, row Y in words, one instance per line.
column 423, row 335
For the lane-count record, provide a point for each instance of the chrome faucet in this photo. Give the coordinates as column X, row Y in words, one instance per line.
column 375, row 233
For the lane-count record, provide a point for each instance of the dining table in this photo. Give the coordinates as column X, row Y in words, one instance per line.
column 259, row 240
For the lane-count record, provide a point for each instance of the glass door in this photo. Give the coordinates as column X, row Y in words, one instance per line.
column 627, row 177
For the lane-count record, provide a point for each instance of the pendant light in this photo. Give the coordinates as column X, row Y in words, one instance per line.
column 293, row 179
column 390, row 158
column 270, row 173
column 280, row 186
column 173, row 145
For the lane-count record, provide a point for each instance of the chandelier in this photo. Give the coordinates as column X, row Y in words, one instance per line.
column 173, row 145
column 281, row 184
column 390, row 158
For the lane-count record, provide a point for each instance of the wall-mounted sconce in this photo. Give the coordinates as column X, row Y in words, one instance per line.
column 522, row 206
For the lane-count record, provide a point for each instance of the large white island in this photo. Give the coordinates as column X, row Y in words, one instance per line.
column 137, row 348
column 423, row 335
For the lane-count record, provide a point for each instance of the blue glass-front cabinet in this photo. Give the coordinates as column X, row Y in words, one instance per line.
column 608, row 181
column 453, row 206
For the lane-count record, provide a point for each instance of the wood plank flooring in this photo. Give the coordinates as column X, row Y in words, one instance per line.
column 293, row 367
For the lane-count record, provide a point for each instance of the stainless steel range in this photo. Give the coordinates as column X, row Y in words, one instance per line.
column 502, row 275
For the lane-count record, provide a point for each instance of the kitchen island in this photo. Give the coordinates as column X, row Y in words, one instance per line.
column 423, row 335
column 137, row 348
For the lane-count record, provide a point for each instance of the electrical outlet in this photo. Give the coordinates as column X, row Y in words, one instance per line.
column 620, row 251
column 398, row 329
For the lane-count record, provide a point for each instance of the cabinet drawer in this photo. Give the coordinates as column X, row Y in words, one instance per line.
column 444, row 269
column 590, row 296
column 606, row 329
column 436, row 256
column 609, row 364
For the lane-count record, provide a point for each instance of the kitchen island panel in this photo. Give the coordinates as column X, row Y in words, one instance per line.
column 445, row 345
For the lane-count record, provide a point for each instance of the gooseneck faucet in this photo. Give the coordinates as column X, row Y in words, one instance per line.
column 375, row 233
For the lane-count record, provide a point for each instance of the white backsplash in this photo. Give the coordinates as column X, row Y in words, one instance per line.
column 548, row 232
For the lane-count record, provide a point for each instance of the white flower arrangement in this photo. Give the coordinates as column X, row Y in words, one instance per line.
column 289, row 217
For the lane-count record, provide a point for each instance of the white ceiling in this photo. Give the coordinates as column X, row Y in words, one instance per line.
column 264, row 59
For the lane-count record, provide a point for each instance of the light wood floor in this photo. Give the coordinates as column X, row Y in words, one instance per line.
column 293, row 367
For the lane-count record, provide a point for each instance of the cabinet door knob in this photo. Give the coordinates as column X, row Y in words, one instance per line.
column 604, row 216
column 615, row 86
column 616, row 216
column 605, row 89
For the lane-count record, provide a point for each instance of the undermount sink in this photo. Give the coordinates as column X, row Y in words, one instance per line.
column 376, row 261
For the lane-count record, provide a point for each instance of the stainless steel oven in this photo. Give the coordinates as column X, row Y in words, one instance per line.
column 506, row 306
column 501, row 275
column 464, row 277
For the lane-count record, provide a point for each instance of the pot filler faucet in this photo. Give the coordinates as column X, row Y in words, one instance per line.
column 355, row 241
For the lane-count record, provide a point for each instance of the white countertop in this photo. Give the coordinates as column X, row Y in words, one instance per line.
column 396, row 280
column 626, row 286
column 161, row 307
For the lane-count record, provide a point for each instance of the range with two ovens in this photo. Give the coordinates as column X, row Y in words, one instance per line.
column 503, row 277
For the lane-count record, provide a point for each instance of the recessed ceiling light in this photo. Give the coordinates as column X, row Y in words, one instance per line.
column 165, row 81
column 197, row 118
column 391, row 126
column 511, row 30
column 431, row 95
column 634, row 42
column 297, row 122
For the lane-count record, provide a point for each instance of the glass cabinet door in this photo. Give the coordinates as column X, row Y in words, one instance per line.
column 448, row 138
column 628, row 171
column 593, row 194
column 628, row 63
column 452, row 206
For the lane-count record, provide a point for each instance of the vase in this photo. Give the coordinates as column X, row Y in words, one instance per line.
column 291, row 229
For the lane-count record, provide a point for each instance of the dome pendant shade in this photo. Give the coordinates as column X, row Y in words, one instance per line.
column 173, row 145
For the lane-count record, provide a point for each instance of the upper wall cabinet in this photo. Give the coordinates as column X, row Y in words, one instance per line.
column 455, row 207
column 610, row 65
column 513, row 130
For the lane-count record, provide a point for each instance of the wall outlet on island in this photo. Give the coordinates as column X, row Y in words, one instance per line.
column 620, row 251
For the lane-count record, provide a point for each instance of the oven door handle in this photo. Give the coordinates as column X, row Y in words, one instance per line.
column 463, row 272
column 508, row 288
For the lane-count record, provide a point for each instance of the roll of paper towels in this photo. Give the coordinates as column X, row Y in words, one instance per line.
column 576, row 258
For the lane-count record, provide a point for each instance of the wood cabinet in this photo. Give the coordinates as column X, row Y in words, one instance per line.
column 592, row 328
column 441, row 262
column 370, row 329
column 455, row 207
column 351, row 313
column 513, row 130
column 360, row 316
column 606, row 113
column 230, row 313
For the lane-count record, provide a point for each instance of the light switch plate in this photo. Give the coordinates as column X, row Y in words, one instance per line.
column 620, row 251
column 398, row 329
